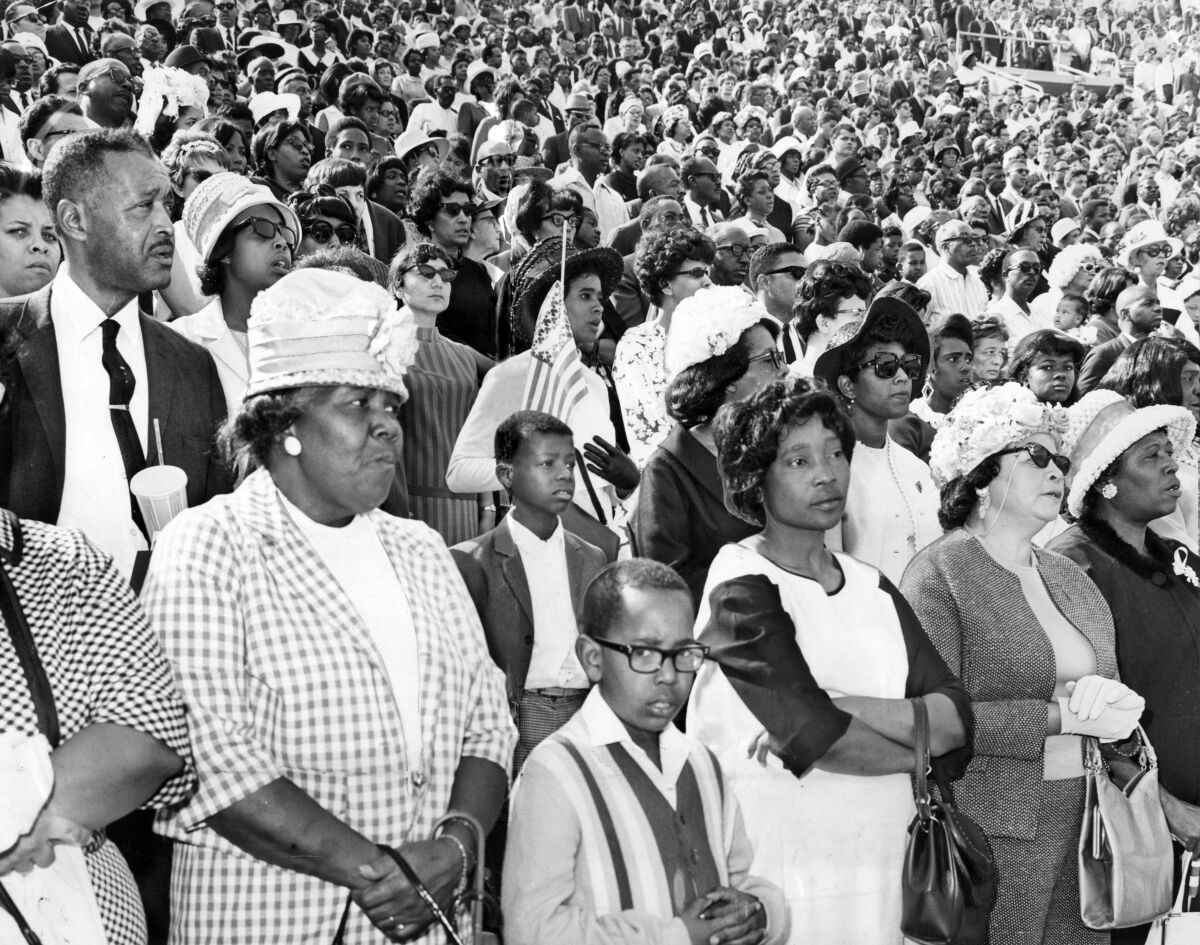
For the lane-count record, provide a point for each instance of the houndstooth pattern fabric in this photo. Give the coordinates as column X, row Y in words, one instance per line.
column 281, row 679
column 104, row 665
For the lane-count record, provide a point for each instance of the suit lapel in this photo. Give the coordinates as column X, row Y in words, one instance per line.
column 696, row 460
column 513, row 570
column 38, row 358
column 160, row 380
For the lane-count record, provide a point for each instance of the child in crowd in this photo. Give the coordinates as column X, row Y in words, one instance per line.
column 528, row 574
column 1070, row 317
column 623, row 828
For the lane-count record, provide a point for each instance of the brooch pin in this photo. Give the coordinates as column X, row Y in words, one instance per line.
column 1183, row 569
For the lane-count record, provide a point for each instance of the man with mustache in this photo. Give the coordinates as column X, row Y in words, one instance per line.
column 93, row 375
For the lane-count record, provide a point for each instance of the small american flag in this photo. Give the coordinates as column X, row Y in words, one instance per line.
column 557, row 378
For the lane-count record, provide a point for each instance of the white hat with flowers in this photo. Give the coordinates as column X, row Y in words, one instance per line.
column 708, row 324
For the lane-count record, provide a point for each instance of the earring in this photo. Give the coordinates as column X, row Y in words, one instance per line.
column 292, row 445
column 984, row 496
column 1109, row 490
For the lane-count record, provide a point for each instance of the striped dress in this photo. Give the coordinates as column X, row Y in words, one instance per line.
column 442, row 385
column 604, row 847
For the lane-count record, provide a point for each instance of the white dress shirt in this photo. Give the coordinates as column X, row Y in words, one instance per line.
column 360, row 564
column 1017, row 323
column 430, row 116
column 95, row 495
column 553, row 664
column 695, row 214
column 953, row 292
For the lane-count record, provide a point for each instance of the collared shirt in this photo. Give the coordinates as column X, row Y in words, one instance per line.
column 1018, row 323
column 701, row 217
column 430, row 116
column 95, row 495
column 953, row 292
column 553, row 663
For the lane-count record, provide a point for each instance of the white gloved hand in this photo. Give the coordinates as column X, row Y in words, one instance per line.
column 1115, row 722
column 1089, row 696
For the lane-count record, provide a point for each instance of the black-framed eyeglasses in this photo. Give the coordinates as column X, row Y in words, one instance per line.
column 796, row 272
column 266, row 229
column 886, row 365
column 709, row 152
column 118, row 75
column 774, row 356
column 1156, row 251
column 559, row 219
column 736, row 250
column 699, row 272
column 498, row 160
column 969, row 240
column 1026, row 268
column 1040, row 456
column 322, row 231
column 426, row 271
column 452, row 209
column 649, row 659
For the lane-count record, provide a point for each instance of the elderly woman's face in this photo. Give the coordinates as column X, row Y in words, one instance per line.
column 349, row 438
column 1147, row 480
column 765, row 365
column 1030, row 493
column 805, row 487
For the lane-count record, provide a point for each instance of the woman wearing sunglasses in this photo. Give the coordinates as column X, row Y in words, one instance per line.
column 244, row 240
column 1070, row 273
column 1020, row 269
column 327, row 221
column 720, row 348
column 1124, row 477
column 442, row 384
column 1032, row 639
column 1145, row 250
column 876, row 366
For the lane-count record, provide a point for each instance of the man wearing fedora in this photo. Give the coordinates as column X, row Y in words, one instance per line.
column 556, row 149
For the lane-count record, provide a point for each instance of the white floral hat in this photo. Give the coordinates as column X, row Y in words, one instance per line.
column 708, row 324
column 316, row 328
column 984, row 422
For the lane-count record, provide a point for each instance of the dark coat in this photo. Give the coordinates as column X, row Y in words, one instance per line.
column 681, row 519
column 1097, row 362
column 61, row 44
column 492, row 569
column 184, row 394
column 388, row 232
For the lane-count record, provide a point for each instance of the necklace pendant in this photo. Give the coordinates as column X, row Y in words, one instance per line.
column 912, row 543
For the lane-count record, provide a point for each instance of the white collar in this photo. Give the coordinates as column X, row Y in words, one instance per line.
column 603, row 728
column 75, row 313
column 523, row 538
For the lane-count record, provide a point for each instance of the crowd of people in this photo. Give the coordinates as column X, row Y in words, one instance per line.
column 593, row 427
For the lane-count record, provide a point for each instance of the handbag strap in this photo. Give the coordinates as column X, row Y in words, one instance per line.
column 23, row 643
column 9, row 906
column 415, row 881
column 921, row 748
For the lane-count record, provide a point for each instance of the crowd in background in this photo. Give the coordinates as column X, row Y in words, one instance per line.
column 599, row 424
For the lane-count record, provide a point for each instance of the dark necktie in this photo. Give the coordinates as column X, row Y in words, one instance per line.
column 82, row 43
column 121, row 383
column 705, row 219
column 789, row 349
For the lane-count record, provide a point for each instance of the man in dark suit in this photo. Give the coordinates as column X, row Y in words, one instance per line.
column 72, row 40
column 1138, row 316
column 557, row 150
column 578, row 20
column 92, row 375
column 387, row 232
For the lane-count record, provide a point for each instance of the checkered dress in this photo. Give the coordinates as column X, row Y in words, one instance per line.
column 281, row 679
column 104, row 665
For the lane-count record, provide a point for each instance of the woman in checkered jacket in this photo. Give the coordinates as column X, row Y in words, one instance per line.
column 338, row 684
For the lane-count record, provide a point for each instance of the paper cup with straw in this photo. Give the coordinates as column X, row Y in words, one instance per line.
column 161, row 491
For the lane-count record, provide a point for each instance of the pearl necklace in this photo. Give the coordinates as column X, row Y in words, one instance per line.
column 912, row 515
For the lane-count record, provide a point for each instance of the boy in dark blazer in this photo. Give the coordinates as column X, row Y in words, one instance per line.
column 528, row 575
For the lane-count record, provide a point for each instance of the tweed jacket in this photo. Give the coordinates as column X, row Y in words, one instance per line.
column 978, row 618
column 495, row 576
column 282, row 679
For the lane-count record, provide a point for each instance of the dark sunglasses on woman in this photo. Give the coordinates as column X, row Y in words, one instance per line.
column 322, row 232
column 886, row 365
column 1040, row 456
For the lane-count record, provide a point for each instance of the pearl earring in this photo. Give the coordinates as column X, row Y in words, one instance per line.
column 292, row 445
column 1109, row 490
column 984, row 496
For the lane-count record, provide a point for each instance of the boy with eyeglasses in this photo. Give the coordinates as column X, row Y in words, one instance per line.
column 624, row 829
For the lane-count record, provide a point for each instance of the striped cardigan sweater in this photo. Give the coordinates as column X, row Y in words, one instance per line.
column 605, row 848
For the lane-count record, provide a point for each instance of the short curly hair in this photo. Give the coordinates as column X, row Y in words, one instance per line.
column 245, row 440
column 427, row 193
column 748, row 433
column 661, row 252
column 824, row 285
column 697, row 392
column 961, row 494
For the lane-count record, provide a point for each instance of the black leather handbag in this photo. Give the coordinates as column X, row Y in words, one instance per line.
column 949, row 876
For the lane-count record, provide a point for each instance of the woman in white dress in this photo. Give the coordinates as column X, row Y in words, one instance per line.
column 875, row 366
column 820, row 651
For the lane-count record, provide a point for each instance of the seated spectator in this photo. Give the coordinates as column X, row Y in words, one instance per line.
column 1047, row 362
column 952, row 347
column 680, row 820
